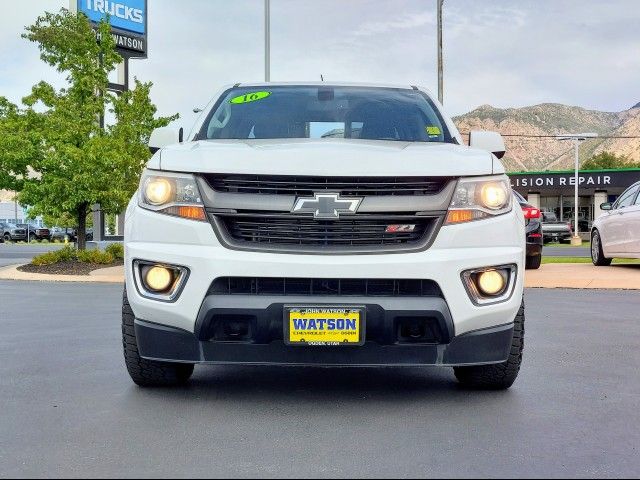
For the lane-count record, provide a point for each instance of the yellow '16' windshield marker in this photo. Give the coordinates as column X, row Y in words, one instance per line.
column 249, row 97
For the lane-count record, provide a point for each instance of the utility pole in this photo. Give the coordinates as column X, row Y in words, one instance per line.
column 577, row 138
column 267, row 40
column 440, row 59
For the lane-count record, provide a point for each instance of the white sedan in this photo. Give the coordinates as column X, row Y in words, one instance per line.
column 617, row 232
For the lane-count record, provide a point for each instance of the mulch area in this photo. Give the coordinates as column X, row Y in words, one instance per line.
column 67, row 268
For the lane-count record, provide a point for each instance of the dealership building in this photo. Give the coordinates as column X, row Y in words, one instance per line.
column 554, row 191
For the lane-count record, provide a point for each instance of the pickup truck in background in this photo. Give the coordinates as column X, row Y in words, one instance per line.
column 553, row 230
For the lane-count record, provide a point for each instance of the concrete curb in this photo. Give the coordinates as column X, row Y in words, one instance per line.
column 560, row 275
column 12, row 273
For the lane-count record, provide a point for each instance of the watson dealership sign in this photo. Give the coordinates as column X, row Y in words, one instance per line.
column 128, row 19
column 596, row 180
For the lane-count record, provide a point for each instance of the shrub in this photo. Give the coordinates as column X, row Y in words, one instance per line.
column 63, row 255
column 44, row 240
column 48, row 258
column 69, row 254
column 116, row 250
column 66, row 254
column 33, row 241
column 96, row 257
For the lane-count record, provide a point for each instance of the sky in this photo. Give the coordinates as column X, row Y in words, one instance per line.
column 506, row 53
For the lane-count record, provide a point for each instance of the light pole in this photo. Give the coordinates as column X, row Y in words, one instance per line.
column 267, row 40
column 440, row 55
column 576, row 138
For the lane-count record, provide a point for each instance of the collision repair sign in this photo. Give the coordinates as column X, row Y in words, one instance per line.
column 128, row 15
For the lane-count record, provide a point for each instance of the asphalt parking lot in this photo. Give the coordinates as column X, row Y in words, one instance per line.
column 68, row 408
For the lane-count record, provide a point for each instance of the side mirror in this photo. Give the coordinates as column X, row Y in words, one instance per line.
column 162, row 137
column 606, row 206
column 490, row 141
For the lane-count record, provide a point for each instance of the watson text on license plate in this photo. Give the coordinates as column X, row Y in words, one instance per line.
column 324, row 326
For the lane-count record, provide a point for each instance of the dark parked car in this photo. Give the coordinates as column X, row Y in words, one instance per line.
column 554, row 230
column 58, row 233
column 533, row 232
column 12, row 233
column 36, row 233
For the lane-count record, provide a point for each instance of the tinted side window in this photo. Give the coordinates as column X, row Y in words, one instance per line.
column 626, row 199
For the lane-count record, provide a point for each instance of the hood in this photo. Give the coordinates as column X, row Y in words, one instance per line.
column 334, row 157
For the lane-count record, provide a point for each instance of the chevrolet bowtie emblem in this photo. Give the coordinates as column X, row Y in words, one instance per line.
column 327, row 205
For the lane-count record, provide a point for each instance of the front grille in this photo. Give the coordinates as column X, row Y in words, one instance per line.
column 326, row 287
column 346, row 186
column 357, row 230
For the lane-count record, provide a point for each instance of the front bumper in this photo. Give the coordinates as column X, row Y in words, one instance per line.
column 172, row 331
column 489, row 346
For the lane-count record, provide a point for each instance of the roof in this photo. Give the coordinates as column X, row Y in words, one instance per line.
column 320, row 84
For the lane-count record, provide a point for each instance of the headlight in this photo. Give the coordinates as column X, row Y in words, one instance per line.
column 158, row 191
column 172, row 194
column 478, row 198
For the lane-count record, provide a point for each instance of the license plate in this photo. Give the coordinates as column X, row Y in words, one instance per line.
column 324, row 326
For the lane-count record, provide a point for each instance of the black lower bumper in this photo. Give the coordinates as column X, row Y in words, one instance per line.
column 261, row 343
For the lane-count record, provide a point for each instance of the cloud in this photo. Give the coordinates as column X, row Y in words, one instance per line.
column 504, row 53
column 405, row 22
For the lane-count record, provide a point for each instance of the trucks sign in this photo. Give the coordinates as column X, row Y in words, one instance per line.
column 128, row 19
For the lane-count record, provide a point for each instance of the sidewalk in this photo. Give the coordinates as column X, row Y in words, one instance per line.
column 584, row 275
column 581, row 276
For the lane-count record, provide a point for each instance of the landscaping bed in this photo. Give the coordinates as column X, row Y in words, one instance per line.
column 72, row 267
column 68, row 261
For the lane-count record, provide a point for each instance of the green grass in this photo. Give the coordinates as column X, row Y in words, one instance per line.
column 617, row 261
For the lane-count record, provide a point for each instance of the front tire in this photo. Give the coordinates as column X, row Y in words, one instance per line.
column 597, row 254
column 148, row 373
column 502, row 375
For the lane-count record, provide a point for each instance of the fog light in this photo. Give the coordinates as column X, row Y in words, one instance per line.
column 159, row 279
column 491, row 282
column 490, row 285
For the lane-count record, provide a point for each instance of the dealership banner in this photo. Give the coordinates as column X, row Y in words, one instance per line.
column 128, row 20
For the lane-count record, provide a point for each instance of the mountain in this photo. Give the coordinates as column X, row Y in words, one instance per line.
column 553, row 119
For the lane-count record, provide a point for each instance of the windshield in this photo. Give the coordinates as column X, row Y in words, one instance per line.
column 324, row 112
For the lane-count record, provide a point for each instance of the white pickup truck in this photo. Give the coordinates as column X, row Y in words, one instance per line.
column 325, row 225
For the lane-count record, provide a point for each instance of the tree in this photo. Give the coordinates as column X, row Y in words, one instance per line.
column 63, row 161
column 608, row 161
